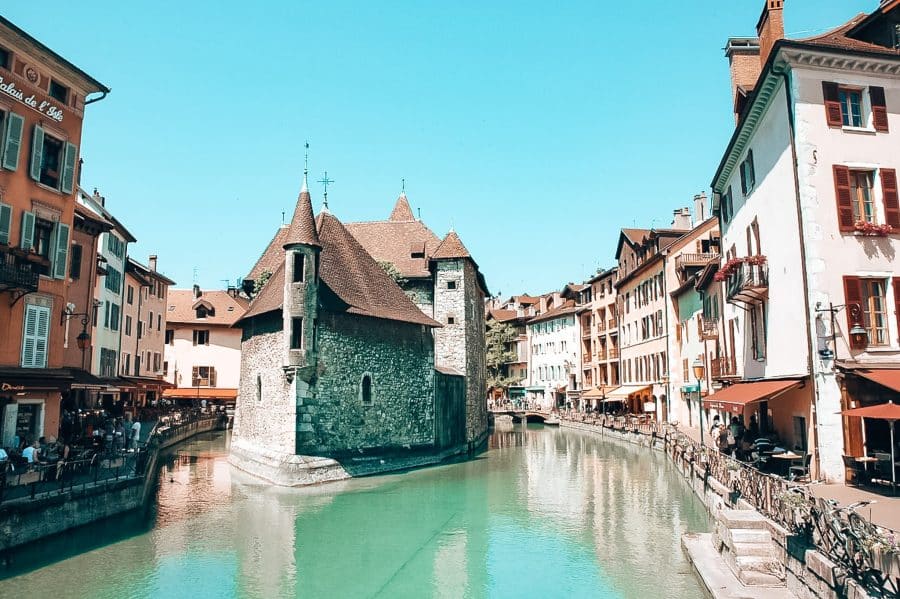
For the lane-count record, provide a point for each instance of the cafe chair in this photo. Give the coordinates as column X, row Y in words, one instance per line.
column 858, row 474
column 801, row 470
column 883, row 466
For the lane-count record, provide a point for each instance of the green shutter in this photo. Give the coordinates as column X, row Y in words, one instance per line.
column 43, row 331
column 34, row 337
column 28, row 336
column 12, row 140
column 26, row 237
column 68, row 174
column 37, row 152
column 5, row 222
column 61, row 254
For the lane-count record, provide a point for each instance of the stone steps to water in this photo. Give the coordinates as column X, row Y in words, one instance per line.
column 752, row 549
column 720, row 580
column 743, row 519
column 746, row 535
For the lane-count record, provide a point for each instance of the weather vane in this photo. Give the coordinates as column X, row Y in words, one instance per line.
column 306, row 159
column 325, row 181
column 403, row 185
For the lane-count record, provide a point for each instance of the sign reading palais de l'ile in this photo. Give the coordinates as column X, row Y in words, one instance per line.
column 46, row 108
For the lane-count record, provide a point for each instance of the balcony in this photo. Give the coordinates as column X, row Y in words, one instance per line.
column 19, row 271
column 601, row 355
column 709, row 328
column 748, row 284
column 686, row 260
column 601, row 326
column 586, row 357
column 613, row 326
column 613, row 353
column 721, row 368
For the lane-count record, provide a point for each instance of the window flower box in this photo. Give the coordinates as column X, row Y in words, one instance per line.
column 871, row 229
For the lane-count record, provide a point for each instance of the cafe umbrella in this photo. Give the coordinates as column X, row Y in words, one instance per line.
column 886, row 411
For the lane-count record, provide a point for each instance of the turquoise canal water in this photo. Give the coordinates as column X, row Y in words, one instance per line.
column 544, row 513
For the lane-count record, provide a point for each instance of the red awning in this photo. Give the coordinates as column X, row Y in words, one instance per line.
column 199, row 393
column 738, row 396
column 882, row 411
column 885, row 377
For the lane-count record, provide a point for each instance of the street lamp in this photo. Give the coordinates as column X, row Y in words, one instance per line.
column 699, row 371
column 859, row 336
column 83, row 340
column 603, row 398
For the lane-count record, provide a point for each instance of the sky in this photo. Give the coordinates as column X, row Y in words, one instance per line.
column 535, row 131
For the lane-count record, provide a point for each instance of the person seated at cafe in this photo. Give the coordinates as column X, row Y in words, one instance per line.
column 32, row 453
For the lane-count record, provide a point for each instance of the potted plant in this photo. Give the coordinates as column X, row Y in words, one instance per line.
column 871, row 229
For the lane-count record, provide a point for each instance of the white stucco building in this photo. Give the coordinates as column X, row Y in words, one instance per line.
column 555, row 357
column 807, row 204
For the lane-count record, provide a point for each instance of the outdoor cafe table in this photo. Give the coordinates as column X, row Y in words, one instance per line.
column 788, row 457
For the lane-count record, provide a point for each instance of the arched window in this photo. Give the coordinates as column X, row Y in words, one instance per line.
column 258, row 388
column 365, row 389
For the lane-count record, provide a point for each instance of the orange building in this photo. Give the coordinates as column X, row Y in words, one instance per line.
column 42, row 102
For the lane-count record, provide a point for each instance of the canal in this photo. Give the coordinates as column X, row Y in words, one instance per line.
column 543, row 513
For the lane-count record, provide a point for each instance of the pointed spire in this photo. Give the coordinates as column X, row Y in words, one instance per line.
column 451, row 247
column 302, row 229
column 402, row 211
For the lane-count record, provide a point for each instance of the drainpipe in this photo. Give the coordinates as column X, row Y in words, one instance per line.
column 781, row 69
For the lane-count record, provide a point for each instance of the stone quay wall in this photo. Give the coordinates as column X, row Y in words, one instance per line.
column 813, row 577
column 27, row 520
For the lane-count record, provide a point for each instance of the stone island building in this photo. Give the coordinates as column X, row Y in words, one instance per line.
column 341, row 372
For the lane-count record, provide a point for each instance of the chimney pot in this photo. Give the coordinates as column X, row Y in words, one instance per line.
column 152, row 262
column 197, row 292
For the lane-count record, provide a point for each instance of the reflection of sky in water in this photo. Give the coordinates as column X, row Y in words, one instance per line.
column 544, row 513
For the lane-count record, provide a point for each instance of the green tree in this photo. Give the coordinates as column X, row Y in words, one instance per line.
column 391, row 270
column 500, row 342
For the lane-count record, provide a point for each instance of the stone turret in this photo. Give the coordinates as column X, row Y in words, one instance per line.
column 301, row 289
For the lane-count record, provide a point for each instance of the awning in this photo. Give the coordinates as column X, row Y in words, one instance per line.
column 85, row 380
column 146, row 382
column 738, row 396
column 595, row 393
column 885, row 377
column 200, row 393
column 626, row 391
column 534, row 389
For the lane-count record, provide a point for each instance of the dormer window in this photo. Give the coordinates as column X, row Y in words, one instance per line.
column 204, row 310
column 417, row 249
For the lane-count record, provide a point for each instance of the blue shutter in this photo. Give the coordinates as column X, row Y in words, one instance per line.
column 12, row 140
column 5, row 222
column 68, row 174
column 26, row 236
column 37, row 152
column 61, row 255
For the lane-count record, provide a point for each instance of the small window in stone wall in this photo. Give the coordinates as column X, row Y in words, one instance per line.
column 258, row 388
column 451, row 284
column 451, row 320
column 365, row 389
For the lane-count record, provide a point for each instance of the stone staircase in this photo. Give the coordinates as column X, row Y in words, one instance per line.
column 743, row 539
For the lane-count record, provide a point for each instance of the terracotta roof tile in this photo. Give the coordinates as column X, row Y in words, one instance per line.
column 303, row 225
column 503, row 315
column 402, row 212
column 451, row 247
column 838, row 39
column 352, row 275
column 273, row 256
column 181, row 308
column 568, row 307
column 392, row 241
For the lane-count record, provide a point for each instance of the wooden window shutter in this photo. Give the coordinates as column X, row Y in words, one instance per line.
column 896, row 283
column 832, row 104
column 879, row 108
column 844, row 199
column 61, row 254
column 26, row 235
column 37, row 152
column 853, row 295
column 12, row 141
column 28, row 336
column 68, row 172
column 5, row 222
column 889, row 194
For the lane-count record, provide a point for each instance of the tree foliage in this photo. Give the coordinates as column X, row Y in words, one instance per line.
column 500, row 340
column 391, row 270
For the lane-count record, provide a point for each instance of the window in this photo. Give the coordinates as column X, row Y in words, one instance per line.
column 748, row 174
column 59, row 91
column 159, row 322
column 4, row 58
column 170, row 337
column 201, row 312
column 127, row 327
column 299, row 264
column 114, row 317
column 150, row 321
column 156, row 361
column 451, row 320
column 874, row 310
column 861, row 196
column 851, row 107
column 107, row 362
column 140, row 329
column 36, row 330
column 201, row 337
column 800, row 433
column 203, row 376
column 166, row 367
column 296, row 333
column 130, row 295
column 758, row 331
column 113, row 280
column 43, row 231
column 115, row 246
column 137, row 364
column 258, row 388
column 365, row 389
column 75, row 262
column 126, row 363
column 51, row 162
column 451, row 284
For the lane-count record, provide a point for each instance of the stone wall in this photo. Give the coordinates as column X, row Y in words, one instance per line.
column 332, row 420
column 476, row 368
column 450, row 410
column 266, row 419
column 421, row 292
column 450, row 339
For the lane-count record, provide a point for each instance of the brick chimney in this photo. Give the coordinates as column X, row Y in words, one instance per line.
column 770, row 28
column 743, row 58
column 152, row 262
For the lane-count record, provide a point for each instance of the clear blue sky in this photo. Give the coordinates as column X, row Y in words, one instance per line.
column 536, row 132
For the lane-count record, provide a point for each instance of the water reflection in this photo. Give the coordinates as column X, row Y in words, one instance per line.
column 544, row 513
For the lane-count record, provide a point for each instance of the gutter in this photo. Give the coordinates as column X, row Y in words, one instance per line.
column 783, row 71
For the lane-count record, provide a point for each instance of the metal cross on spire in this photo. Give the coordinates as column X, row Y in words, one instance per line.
column 402, row 185
column 325, row 181
column 306, row 159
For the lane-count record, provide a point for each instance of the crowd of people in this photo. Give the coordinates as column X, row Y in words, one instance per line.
column 734, row 438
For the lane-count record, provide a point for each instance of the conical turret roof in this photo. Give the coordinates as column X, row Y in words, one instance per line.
column 402, row 211
column 302, row 229
column 451, row 247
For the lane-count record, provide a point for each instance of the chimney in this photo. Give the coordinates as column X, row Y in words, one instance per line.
column 682, row 219
column 99, row 198
column 152, row 262
column 743, row 59
column 197, row 292
column 700, row 213
column 233, row 291
column 770, row 28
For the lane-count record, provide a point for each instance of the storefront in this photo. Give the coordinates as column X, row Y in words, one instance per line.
column 863, row 388
column 30, row 404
